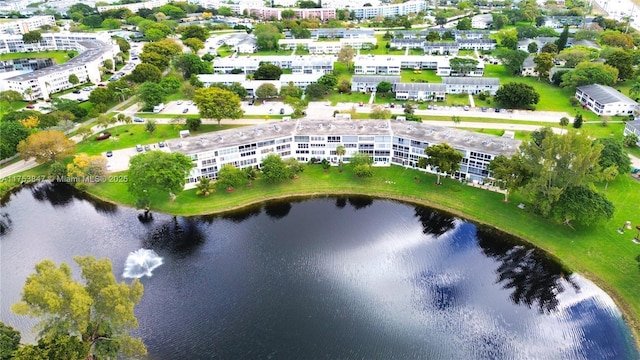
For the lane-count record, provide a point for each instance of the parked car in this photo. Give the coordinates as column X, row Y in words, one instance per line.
column 109, row 153
column 497, row 110
column 161, row 144
column 484, row 109
column 138, row 120
column 180, row 102
column 76, row 91
column 31, row 107
column 147, row 147
column 465, row 108
column 139, row 148
column 186, row 110
column 282, row 111
column 251, row 102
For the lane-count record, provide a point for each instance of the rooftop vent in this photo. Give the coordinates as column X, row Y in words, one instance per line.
column 276, row 127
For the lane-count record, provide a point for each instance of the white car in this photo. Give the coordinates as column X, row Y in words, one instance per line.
column 179, row 102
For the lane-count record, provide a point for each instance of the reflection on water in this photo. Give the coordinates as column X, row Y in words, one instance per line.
column 343, row 278
column 5, row 223
column 534, row 279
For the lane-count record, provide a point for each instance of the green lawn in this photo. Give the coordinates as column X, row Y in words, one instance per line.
column 59, row 57
column 463, row 53
column 456, row 100
column 408, row 75
column 341, row 72
column 552, row 98
column 336, row 97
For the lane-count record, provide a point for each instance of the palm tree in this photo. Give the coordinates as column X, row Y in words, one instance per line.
column 564, row 121
column 340, row 151
column 205, row 187
column 29, row 92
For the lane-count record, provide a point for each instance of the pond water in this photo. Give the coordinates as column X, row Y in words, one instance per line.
column 329, row 278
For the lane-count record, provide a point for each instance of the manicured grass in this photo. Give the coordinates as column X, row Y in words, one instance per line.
column 336, row 97
column 465, row 53
column 552, row 98
column 269, row 53
column 126, row 136
column 597, row 251
column 16, row 105
column 167, row 116
column 456, row 100
column 224, row 51
column 408, row 75
column 59, row 57
column 341, row 72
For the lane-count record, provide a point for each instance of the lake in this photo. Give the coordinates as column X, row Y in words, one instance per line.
column 322, row 278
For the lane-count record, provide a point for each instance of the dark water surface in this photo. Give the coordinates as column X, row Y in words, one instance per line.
column 335, row 278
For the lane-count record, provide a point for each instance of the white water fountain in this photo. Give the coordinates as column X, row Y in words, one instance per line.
column 140, row 263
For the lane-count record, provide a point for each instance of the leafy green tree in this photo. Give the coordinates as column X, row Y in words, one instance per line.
column 544, row 63
column 13, row 132
column 555, row 163
column 361, row 163
column 93, row 21
column 81, row 8
column 191, row 64
column 267, row 71
column 442, row 158
column 512, row 60
column 98, row 311
column 582, row 205
column 463, row 66
column 630, row 140
column 517, row 96
column 101, row 95
column 574, row 55
column 315, row 91
column 532, row 48
column 609, row 174
column 266, row 90
column 508, row 39
column 379, row 112
column 464, row 24
column 194, row 32
column 111, row 24
column 295, row 167
column 151, row 93
column 230, row 177
column 73, row 79
column 274, row 169
column 290, row 90
column 157, row 171
column 193, row 124
column 384, row 87
column 549, row 48
column 616, row 39
column 214, row 103
column 146, row 72
column 122, row 44
column 587, row 73
column 623, row 61
column 344, row 86
column 194, row 44
column 564, row 121
column 267, row 36
column 9, row 341
column 634, row 90
column 433, row 36
column 160, row 53
column 108, row 64
column 32, row 37
column 509, row 172
column 613, row 154
column 10, row 96
column 328, row 80
column 170, row 84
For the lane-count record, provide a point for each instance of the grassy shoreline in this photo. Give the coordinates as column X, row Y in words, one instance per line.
column 597, row 252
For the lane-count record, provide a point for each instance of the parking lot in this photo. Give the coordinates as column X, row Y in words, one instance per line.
column 178, row 108
column 119, row 160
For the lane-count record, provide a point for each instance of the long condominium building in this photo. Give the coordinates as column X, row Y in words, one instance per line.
column 22, row 26
column 93, row 50
column 388, row 142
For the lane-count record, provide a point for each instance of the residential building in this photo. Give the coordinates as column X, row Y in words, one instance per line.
column 476, row 44
column 391, row 10
column 297, row 64
column 420, row 91
column 134, row 7
column 632, row 127
column 50, row 41
column 529, row 67
column 605, row 100
column 368, row 83
column 43, row 82
column 441, row 48
column 299, row 80
column 406, row 43
column 392, row 64
column 388, row 142
column 328, row 47
column 22, row 26
column 266, row 13
column 482, row 21
column 471, row 85
column 540, row 42
column 337, row 33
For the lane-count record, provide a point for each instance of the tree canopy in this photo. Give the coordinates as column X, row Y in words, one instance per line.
column 157, row 171
column 274, row 169
column 463, row 66
column 517, row 96
column 443, row 158
column 267, row 71
column 46, row 146
column 97, row 311
column 215, row 103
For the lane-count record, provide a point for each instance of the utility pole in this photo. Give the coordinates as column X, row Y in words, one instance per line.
column 629, row 19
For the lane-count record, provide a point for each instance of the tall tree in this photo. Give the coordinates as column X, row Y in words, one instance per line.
column 443, row 158
column 194, row 31
column 274, row 169
column 512, row 60
column 544, row 63
column 555, row 163
column 564, row 121
column 266, row 90
column 98, row 310
column 9, row 341
column 509, row 172
column 46, row 146
column 10, row 96
column 267, row 71
column 623, row 61
column 214, row 103
column 561, row 43
column 464, row 24
column 517, row 96
column 230, row 177
column 73, row 79
column 267, row 36
column 587, row 73
column 13, row 132
column 613, row 154
column 194, row 44
column 32, row 37
column 157, row 171
column 582, row 205
column 345, row 55
column 463, row 66
column 384, row 87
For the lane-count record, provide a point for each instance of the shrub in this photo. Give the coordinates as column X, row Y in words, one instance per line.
column 574, row 101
